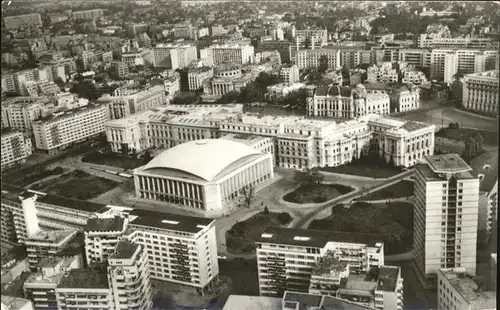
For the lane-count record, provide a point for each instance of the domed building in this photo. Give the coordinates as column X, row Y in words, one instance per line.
column 203, row 174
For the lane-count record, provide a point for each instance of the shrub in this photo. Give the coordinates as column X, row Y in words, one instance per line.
column 57, row 170
column 266, row 210
column 80, row 173
column 284, row 218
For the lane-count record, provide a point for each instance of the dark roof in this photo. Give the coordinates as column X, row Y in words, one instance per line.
column 333, row 91
column 305, row 300
column 69, row 203
column 95, row 277
column 413, row 126
column 11, row 193
column 388, row 278
column 317, row 238
column 332, row 303
column 124, row 249
column 105, row 224
column 185, row 223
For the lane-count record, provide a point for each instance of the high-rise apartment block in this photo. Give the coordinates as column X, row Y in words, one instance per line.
column 196, row 76
column 120, row 69
column 23, row 21
column 101, row 237
column 446, row 216
column 310, row 59
column 88, row 14
column 480, row 92
column 16, row 147
column 287, row 257
column 290, row 74
column 18, row 113
column 174, row 56
column 426, row 41
column 238, row 54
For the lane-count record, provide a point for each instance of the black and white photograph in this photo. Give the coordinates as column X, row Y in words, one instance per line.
column 249, row 155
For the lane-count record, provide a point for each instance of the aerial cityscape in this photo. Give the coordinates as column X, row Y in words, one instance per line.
column 249, row 155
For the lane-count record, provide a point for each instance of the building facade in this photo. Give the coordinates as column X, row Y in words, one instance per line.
column 196, row 76
column 16, row 147
column 174, row 56
column 18, row 113
column 101, row 237
column 238, row 54
column 446, row 216
column 306, row 59
column 289, row 74
column 480, row 92
column 23, row 21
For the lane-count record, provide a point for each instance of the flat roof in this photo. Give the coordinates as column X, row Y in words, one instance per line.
column 243, row 302
column 306, row 301
column 69, row 203
column 388, row 278
column 15, row 303
column 115, row 223
column 68, row 113
column 466, row 286
column 170, row 221
column 314, row 238
column 93, row 277
column 54, row 236
column 124, row 249
column 447, row 163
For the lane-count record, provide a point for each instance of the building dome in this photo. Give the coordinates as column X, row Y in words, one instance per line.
column 205, row 159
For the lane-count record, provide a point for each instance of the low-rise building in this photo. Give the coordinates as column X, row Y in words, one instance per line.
column 382, row 74
column 16, row 147
column 172, row 85
column 282, row 90
column 62, row 129
column 459, row 290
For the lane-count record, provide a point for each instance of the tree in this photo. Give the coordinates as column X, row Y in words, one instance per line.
column 345, row 72
column 309, row 176
column 323, row 63
column 147, row 157
column 248, row 194
column 266, row 210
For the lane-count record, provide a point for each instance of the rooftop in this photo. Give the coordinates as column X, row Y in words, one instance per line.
column 314, row 238
column 243, row 302
column 169, row 221
column 15, row 303
column 70, row 203
column 124, row 250
column 329, row 264
column 95, row 277
column 447, row 163
column 306, row 301
column 489, row 74
column 115, row 223
column 388, row 278
column 466, row 286
column 90, row 106
column 52, row 236
column 247, row 139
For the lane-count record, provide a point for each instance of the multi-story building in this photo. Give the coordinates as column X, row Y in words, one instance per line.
column 40, row 287
column 416, row 57
column 414, row 77
column 227, row 78
column 137, row 57
column 49, row 244
column 136, row 29
column 23, row 21
column 281, row 90
column 120, row 69
column 174, row 56
column 352, row 57
column 283, row 48
column 457, row 289
column 403, row 98
column 446, row 216
column 58, row 131
column 18, row 113
column 16, row 147
column 88, row 14
column 172, row 85
column 126, row 101
column 129, row 277
column 310, row 59
column 13, row 226
column 480, row 92
column 185, row 31
column 382, row 74
column 16, row 303
column 345, row 102
column 61, row 67
column 290, row 74
column 425, row 41
column 320, row 36
column 287, row 257
column 170, row 177
column 492, row 217
column 196, row 76
column 238, row 54
column 102, row 234
column 180, row 249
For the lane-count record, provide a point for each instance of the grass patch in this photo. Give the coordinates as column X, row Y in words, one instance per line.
column 113, row 160
column 37, row 175
column 316, row 193
column 462, row 134
column 240, row 239
column 76, row 184
column 398, row 190
column 393, row 221
column 365, row 170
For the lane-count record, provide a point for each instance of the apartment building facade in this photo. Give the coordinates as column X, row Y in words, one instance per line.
column 174, row 56
column 310, row 59
column 480, row 92
column 238, row 54
column 196, row 76
column 446, row 216
column 87, row 14
column 23, row 21
column 382, row 74
column 18, row 113
column 416, row 57
column 58, row 131
column 120, row 69
column 16, row 147
column 102, row 234
column 425, row 41
column 286, row 257
column 289, row 74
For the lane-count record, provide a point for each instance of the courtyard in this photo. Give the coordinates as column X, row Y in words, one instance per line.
column 76, row 184
column 392, row 221
column 240, row 239
column 316, row 193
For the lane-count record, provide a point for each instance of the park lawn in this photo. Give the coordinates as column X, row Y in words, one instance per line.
column 37, row 175
column 76, row 184
column 365, row 170
column 316, row 193
column 113, row 160
column 398, row 190
column 462, row 134
column 240, row 239
column 393, row 221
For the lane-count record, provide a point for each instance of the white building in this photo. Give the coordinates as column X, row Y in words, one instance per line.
column 180, row 249
column 414, row 77
column 405, row 98
column 180, row 175
column 345, row 102
column 446, row 216
column 311, row 58
column 126, row 101
column 492, row 217
column 16, row 147
column 58, row 131
column 19, row 112
column 292, row 254
column 425, row 41
column 457, row 289
column 174, row 56
column 101, row 237
column 382, row 74
column 480, row 92
column 445, row 63
column 138, row 57
column 196, row 76
column 238, row 54
column 416, row 57
column 290, row 74
column 16, row 303
column 282, row 90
